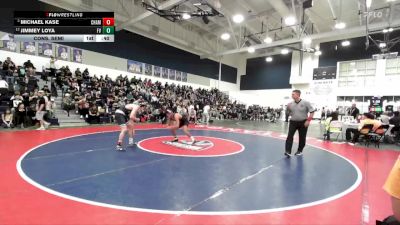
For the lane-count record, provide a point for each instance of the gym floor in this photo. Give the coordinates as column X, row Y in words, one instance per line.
column 236, row 174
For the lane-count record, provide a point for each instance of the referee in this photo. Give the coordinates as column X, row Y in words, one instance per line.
column 300, row 120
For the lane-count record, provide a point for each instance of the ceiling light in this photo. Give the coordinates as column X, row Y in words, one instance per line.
column 345, row 43
column 238, row 18
column 307, row 41
column 340, row 25
column 369, row 2
column 385, row 30
column 382, row 45
column 290, row 20
column 390, row 29
column 225, row 36
column 284, row 51
column 268, row 40
column 268, row 59
column 186, row 16
column 197, row 4
column 251, row 50
column 318, row 53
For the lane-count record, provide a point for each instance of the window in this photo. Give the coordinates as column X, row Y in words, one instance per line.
column 393, row 67
column 359, row 73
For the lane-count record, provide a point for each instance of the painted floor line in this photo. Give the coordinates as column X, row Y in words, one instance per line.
column 106, row 172
column 136, row 134
column 71, row 153
column 224, row 190
column 80, row 152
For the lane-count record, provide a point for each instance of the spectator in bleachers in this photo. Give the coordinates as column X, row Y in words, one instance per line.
column 41, row 111
column 16, row 99
column 93, row 116
column 9, row 66
column 68, row 104
column 7, row 118
column 83, row 107
column 3, row 89
column 21, row 117
column 28, row 64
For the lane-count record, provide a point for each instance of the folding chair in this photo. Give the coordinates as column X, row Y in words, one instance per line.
column 335, row 127
column 376, row 137
column 366, row 136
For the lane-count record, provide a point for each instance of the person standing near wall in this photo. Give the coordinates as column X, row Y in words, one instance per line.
column 300, row 120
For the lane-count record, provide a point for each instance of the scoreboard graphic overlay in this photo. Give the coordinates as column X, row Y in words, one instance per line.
column 64, row 26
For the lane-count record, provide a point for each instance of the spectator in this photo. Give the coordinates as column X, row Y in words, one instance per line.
column 9, row 66
column 28, row 64
column 385, row 118
column 368, row 118
column 41, row 111
column 7, row 118
column 206, row 114
column 94, row 116
column 395, row 120
column 333, row 117
column 353, row 111
column 21, row 117
column 3, row 89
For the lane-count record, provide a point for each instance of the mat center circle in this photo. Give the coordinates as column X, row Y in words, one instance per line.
column 204, row 146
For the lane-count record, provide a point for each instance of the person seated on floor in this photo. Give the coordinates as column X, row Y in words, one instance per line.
column 328, row 129
column 368, row 118
column 7, row 118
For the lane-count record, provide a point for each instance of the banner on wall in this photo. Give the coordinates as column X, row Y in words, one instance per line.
column 148, row 69
column 178, row 76
column 157, row 71
column 171, row 74
column 62, row 52
column 135, row 67
column 10, row 44
column 76, row 55
column 28, row 48
column 164, row 73
column 45, row 49
column 184, row 77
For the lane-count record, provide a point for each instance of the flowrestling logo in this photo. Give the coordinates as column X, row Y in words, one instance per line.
column 188, row 145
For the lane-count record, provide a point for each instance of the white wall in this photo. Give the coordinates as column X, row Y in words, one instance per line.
column 98, row 59
column 39, row 62
column 273, row 98
column 99, row 63
column 310, row 61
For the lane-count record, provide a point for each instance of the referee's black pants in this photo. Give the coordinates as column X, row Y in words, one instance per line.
column 293, row 126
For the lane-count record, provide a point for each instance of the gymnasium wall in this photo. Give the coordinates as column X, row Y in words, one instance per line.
column 130, row 46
